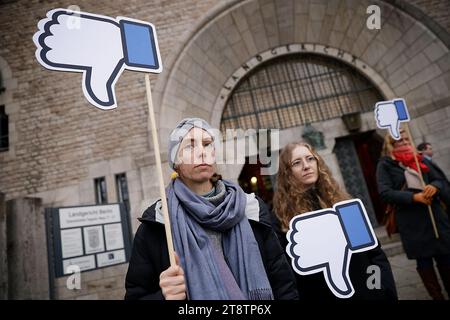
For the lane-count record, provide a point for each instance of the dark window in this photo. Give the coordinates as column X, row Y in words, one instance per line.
column 2, row 87
column 296, row 90
column 4, row 131
column 100, row 190
column 122, row 190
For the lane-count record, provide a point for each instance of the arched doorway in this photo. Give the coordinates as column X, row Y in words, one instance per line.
column 297, row 90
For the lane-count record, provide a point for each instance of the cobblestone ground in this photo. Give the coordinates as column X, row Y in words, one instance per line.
column 408, row 282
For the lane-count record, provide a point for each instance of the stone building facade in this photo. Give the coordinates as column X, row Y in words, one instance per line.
column 58, row 143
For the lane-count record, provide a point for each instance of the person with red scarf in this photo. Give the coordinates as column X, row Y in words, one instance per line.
column 399, row 184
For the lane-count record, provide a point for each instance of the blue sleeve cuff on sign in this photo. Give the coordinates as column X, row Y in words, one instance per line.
column 401, row 110
column 139, row 47
column 355, row 226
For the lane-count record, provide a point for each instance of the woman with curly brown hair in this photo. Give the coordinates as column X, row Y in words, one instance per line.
column 304, row 184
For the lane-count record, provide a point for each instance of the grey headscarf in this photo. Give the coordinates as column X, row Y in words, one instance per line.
column 191, row 214
column 180, row 131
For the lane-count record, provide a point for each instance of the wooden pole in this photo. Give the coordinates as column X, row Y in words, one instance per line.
column 430, row 211
column 162, row 190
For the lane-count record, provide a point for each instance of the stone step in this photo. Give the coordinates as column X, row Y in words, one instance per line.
column 383, row 238
column 393, row 238
column 392, row 249
column 391, row 245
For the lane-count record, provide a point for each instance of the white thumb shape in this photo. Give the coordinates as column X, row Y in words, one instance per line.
column 337, row 276
column 83, row 42
column 395, row 130
column 98, row 84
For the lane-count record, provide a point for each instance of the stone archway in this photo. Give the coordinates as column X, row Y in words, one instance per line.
column 404, row 58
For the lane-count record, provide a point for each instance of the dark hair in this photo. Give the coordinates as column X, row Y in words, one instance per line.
column 423, row 146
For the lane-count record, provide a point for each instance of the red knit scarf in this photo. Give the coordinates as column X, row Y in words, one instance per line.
column 405, row 155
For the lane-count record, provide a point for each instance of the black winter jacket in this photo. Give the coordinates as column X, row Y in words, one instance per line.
column 314, row 286
column 413, row 219
column 150, row 257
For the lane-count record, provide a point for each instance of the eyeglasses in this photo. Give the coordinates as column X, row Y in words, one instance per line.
column 299, row 163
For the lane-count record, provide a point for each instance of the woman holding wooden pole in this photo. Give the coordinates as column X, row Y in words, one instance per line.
column 407, row 183
column 224, row 244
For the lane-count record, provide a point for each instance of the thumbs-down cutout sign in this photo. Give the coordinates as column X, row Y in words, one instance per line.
column 98, row 46
column 389, row 115
column 324, row 241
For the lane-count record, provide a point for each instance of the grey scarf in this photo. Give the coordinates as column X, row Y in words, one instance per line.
column 190, row 214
